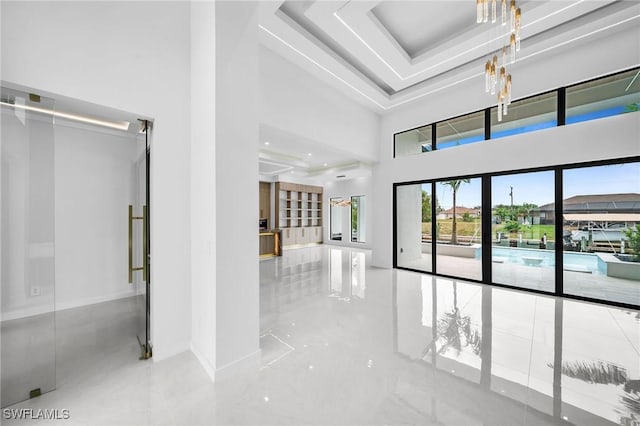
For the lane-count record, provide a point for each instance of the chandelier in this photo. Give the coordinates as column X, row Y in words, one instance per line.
column 339, row 203
column 497, row 79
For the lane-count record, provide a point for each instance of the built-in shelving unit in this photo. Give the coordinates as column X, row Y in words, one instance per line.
column 298, row 212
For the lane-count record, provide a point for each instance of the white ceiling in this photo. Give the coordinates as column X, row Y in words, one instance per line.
column 387, row 53
column 286, row 156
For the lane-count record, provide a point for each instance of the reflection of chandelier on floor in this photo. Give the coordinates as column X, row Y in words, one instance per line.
column 496, row 78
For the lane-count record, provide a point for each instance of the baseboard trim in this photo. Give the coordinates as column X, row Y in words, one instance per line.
column 297, row 246
column 161, row 352
column 210, row 369
column 39, row 310
column 247, row 363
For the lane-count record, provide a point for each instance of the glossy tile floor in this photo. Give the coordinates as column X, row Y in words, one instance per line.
column 596, row 285
column 344, row 343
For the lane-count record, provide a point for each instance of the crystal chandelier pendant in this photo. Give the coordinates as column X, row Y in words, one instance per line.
column 493, row 79
column 518, row 16
column 512, row 47
column 505, row 104
column 512, row 16
column 497, row 79
column 487, row 76
column 493, row 11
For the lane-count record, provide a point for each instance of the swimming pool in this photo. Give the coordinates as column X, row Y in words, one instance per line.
column 579, row 261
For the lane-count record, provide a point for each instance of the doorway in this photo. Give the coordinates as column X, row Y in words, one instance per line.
column 75, row 290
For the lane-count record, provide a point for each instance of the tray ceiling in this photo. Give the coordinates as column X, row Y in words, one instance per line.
column 387, row 53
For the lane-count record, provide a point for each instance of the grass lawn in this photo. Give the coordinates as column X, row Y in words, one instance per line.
column 531, row 232
column 464, row 228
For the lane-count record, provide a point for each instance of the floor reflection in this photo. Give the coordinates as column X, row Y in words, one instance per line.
column 404, row 347
column 565, row 359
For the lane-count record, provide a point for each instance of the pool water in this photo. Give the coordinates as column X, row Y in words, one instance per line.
column 579, row 261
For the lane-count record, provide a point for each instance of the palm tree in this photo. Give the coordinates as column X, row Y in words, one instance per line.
column 453, row 326
column 606, row 373
column 455, row 185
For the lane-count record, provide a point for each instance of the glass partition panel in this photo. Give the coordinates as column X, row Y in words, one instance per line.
column 613, row 95
column 335, row 221
column 526, row 115
column 414, row 141
column 460, row 130
column 601, row 212
column 459, row 228
column 27, row 295
column 523, row 230
column 413, row 226
column 358, row 221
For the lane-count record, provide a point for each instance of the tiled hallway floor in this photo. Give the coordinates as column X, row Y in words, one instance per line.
column 347, row 344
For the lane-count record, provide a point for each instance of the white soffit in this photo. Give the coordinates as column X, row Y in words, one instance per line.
column 362, row 48
column 269, row 168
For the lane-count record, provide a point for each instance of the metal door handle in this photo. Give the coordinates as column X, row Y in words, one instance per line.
column 145, row 249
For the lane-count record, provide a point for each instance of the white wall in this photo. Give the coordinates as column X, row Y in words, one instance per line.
column 297, row 102
column 95, row 181
column 345, row 190
column 203, row 184
column 236, row 160
column 132, row 56
column 574, row 143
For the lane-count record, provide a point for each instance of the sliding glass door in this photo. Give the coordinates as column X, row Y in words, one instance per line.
column 601, row 223
column 523, row 230
column 459, row 228
column 571, row 230
column 413, row 227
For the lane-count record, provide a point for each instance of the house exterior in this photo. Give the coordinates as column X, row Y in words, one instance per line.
column 625, row 203
column 460, row 211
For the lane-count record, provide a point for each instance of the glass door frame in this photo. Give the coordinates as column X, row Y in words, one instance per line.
column 486, row 227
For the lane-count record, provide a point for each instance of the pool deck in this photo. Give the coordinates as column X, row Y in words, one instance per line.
column 576, row 282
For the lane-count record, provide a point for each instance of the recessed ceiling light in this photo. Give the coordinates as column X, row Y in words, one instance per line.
column 325, row 164
column 266, row 143
column 309, row 154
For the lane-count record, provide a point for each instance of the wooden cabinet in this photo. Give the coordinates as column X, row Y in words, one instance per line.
column 265, row 203
column 317, row 234
column 298, row 209
column 288, row 236
column 302, row 237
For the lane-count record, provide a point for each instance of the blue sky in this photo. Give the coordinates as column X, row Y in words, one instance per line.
column 538, row 187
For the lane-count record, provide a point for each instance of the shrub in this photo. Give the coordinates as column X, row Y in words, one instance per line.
column 633, row 235
column 512, row 226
